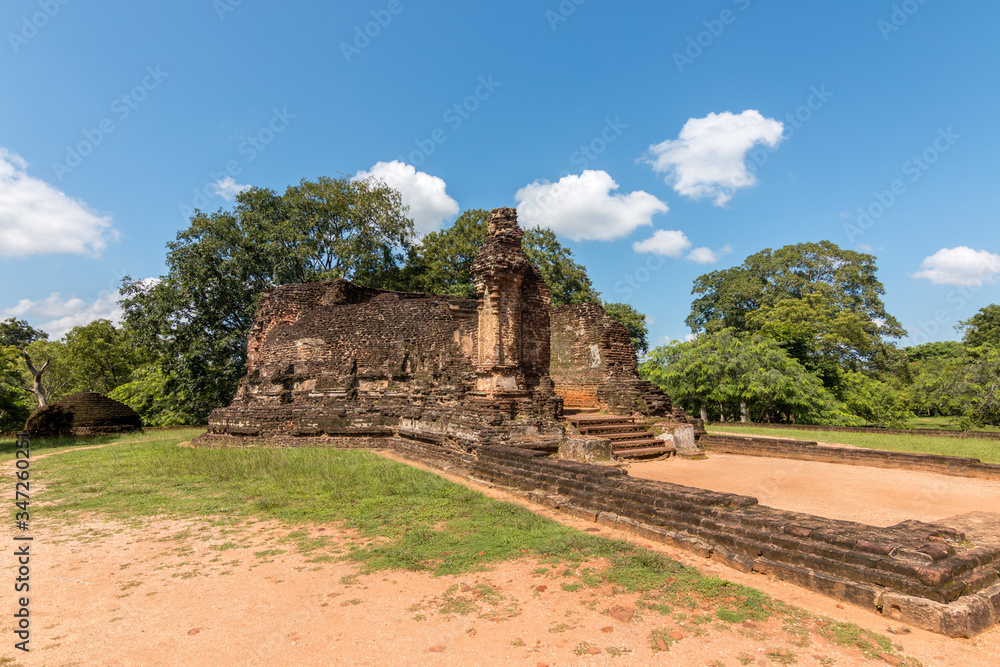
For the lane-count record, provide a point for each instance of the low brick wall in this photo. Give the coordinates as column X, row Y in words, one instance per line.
column 987, row 435
column 809, row 451
column 933, row 578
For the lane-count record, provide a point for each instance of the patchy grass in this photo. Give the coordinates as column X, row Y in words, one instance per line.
column 403, row 518
column 41, row 446
column 987, row 451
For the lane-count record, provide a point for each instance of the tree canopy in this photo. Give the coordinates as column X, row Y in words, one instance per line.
column 196, row 317
column 442, row 262
column 844, row 279
column 740, row 375
column 983, row 328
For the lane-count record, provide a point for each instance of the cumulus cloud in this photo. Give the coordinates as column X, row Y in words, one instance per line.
column 960, row 266
column 708, row 158
column 667, row 242
column 707, row 255
column 228, row 188
column 59, row 315
column 585, row 207
column 429, row 204
column 674, row 243
column 37, row 218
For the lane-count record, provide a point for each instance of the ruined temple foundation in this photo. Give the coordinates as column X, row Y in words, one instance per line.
column 478, row 387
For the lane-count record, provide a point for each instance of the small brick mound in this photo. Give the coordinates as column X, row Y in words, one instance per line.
column 86, row 413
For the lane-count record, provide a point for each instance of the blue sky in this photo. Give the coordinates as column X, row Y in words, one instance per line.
column 659, row 140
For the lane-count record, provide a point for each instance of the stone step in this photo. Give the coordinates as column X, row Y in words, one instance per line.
column 644, row 451
column 616, row 438
column 597, row 420
column 644, row 442
column 609, row 428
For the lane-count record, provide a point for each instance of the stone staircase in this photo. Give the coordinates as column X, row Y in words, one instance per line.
column 629, row 437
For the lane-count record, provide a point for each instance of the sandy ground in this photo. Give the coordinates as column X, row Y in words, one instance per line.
column 876, row 496
column 169, row 592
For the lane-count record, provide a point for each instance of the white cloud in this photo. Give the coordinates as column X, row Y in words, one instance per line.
column 228, row 188
column 690, row 337
column 707, row 255
column 708, row 158
column 674, row 243
column 960, row 266
column 583, row 208
column 37, row 218
column 59, row 315
column 667, row 242
column 429, row 204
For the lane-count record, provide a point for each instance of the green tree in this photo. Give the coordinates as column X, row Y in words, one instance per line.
column 19, row 334
column 980, row 387
column 877, row 402
column 157, row 400
column 739, row 375
column 845, row 279
column 441, row 263
column 822, row 303
column 15, row 402
column 195, row 319
column 634, row 321
column 946, row 349
column 983, row 328
column 97, row 357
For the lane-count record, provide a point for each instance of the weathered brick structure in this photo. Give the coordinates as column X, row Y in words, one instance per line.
column 83, row 414
column 333, row 363
column 594, row 365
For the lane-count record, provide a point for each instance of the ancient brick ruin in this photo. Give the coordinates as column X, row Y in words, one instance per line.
column 333, row 363
column 593, row 365
column 478, row 387
column 83, row 414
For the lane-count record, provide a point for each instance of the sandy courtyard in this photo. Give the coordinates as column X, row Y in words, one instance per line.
column 169, row 592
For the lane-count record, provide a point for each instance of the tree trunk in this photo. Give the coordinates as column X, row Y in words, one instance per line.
column 744, row 413
column 36, row 379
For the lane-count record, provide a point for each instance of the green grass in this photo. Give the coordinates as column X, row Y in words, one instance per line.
column 988, row 451
column 420, row 522
column 41, row 446
column 944, row 423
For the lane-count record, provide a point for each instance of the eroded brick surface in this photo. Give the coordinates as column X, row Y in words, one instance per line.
column 83, row 414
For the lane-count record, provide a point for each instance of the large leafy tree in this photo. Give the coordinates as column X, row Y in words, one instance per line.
column 15, row 404
column 97, row 357
column 821, row 302
column 740, row 375
column 441, row 263
column 983, row 328
column 19, row 334
column 196, row 317
column 634, row 321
